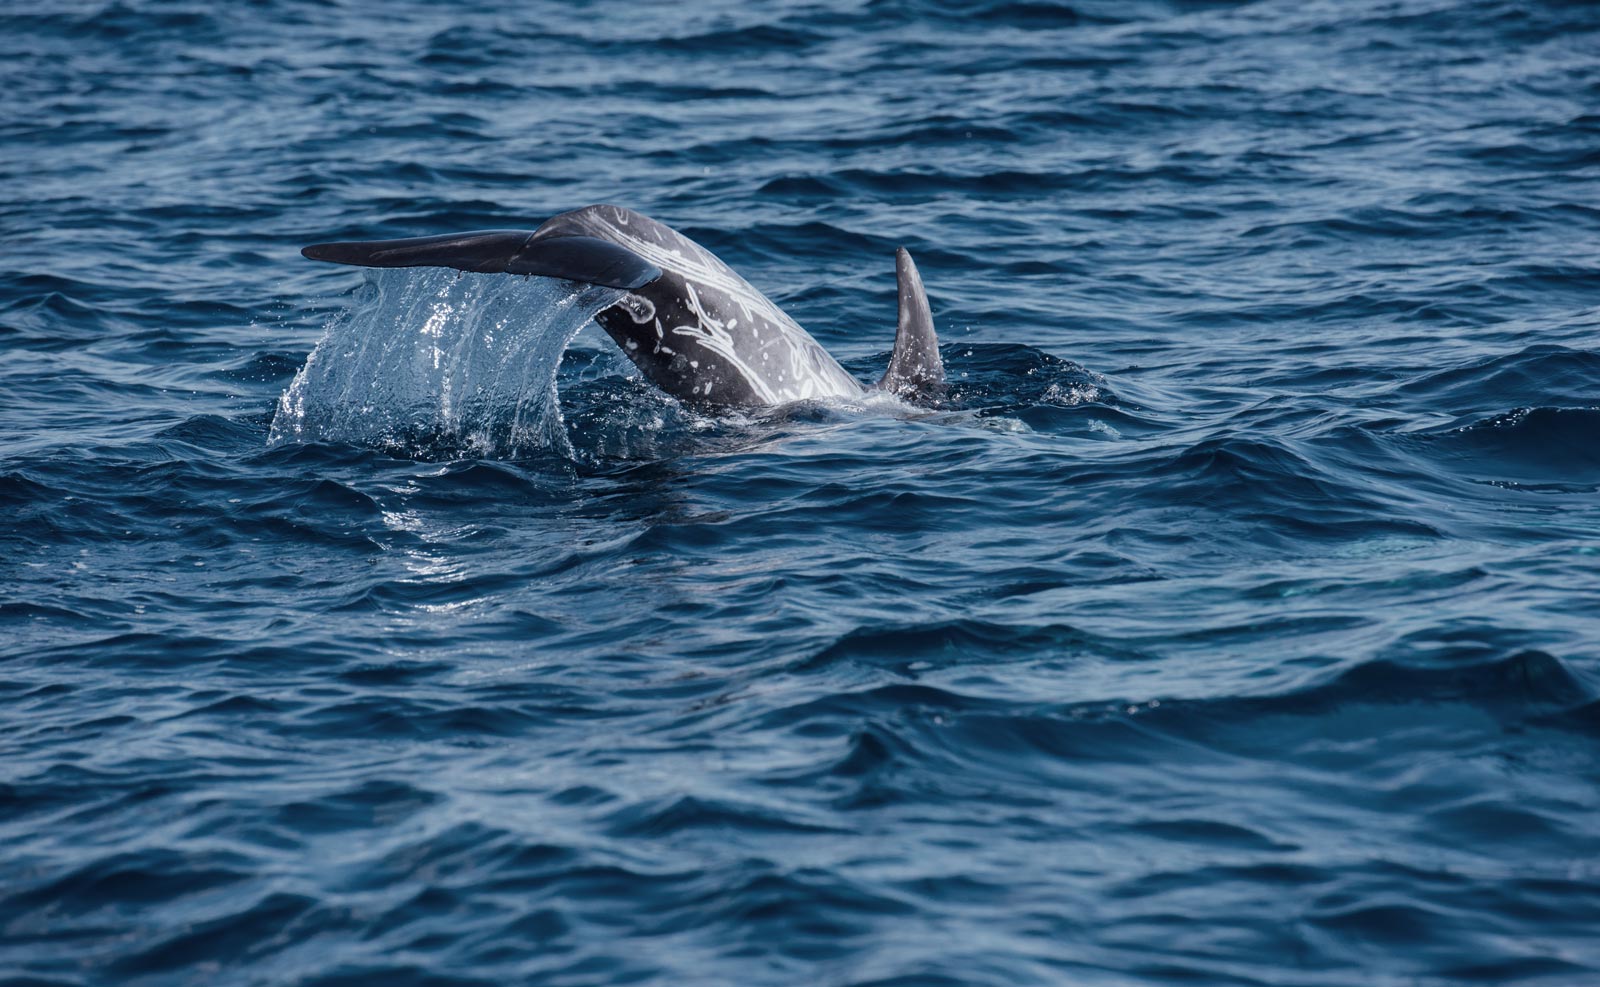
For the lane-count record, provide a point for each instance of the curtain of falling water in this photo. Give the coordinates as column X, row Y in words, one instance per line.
column 433, row 362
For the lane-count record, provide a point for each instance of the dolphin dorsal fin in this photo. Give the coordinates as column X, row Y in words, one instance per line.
column 915, row 370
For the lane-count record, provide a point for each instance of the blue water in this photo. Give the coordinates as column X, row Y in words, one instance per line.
column 1235, row 620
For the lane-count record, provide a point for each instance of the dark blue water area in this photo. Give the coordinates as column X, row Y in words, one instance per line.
column 1234, row 619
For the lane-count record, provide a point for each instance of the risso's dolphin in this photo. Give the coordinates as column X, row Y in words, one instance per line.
column 696, row 329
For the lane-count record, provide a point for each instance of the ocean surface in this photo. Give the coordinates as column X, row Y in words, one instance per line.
column 1233, row 620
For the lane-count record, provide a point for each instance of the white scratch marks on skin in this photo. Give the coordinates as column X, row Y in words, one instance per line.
column 639, row 308
column 711, row 334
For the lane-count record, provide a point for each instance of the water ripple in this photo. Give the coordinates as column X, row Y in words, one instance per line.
column 1231, row 620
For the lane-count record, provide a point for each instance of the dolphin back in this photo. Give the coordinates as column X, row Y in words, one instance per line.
column 710, row 337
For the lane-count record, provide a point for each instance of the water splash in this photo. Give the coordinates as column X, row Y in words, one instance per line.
column 432, row 362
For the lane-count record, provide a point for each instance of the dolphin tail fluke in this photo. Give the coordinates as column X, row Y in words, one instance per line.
column 915, row 370
column 573, row 258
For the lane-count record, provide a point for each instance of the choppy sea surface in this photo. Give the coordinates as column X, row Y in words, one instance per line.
column 1235, row 619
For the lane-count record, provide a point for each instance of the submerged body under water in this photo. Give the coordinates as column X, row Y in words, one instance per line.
column 1233, row 620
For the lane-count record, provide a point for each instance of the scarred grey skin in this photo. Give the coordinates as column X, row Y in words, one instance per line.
column 700, row 331
column 695, row 328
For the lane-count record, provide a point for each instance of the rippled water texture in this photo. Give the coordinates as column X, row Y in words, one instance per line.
column 1234, row 621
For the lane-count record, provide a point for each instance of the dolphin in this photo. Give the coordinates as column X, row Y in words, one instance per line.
column 696, row 329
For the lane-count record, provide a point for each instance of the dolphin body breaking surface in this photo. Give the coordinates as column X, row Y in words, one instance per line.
column 692, row 325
